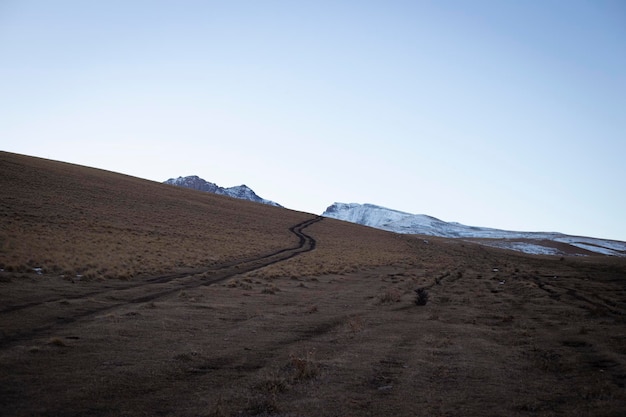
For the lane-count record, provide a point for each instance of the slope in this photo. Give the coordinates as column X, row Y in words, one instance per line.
column 74, row 220
column 287, row 315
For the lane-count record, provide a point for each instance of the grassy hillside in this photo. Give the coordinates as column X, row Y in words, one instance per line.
column 69, row 219
column 76, row 220
column 120, row 296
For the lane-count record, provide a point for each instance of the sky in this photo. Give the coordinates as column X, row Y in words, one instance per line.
column 500, row 113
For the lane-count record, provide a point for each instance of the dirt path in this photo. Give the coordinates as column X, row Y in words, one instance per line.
column 114, row 295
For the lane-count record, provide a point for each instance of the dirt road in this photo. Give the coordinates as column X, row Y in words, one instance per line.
column 13, row 313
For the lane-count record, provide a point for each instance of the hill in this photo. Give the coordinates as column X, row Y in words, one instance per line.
column 120, row 296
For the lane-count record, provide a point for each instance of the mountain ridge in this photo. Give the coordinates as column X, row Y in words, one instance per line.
column 544, row 243
column 396, row 221
column 242, row 192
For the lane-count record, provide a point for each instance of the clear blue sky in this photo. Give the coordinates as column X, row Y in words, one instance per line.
column 506, row 114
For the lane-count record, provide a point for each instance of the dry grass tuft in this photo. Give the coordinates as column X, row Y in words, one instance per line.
column 273, row 383
column 389, row 296
column 56, row 341
column 355, row 324
column 265, row 405
column 219, row 409
column 304, row 365
column 270, row 289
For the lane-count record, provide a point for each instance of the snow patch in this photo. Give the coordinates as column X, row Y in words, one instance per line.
column 530, row 248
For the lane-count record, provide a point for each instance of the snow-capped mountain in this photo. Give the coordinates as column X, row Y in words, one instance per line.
column 545, row 243
column 242, row 192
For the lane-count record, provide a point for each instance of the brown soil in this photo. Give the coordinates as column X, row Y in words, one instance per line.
column 250, row 310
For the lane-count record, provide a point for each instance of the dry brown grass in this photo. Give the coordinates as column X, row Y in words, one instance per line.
column 331, row 332
column 57, row 341
column 342, row 249
column 389, row 296
column 72, row 220
column 303, row 365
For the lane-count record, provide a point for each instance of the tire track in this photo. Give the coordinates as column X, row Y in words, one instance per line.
column 304, row 240
column 151, row 288
column 569, row 295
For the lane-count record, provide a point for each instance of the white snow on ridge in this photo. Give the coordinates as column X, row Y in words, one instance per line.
column 242, row 192
column 530, row 248
column 401, row 222
column 597, row 249
column 586, row 242
column 369, row 215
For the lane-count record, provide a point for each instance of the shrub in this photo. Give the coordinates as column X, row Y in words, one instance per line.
column 270, row 289
column 422, row 296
